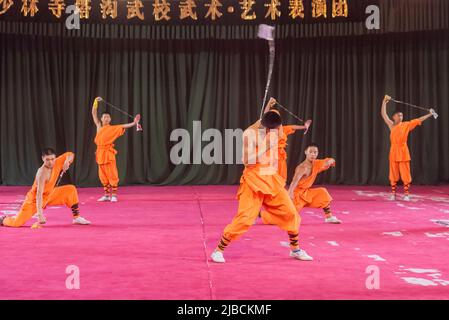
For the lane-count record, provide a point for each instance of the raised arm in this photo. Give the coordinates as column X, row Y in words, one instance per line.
column 383, row 112
column 94, row 112
column 68, row 161
column 65, row 160
column 269, row 105
column 40, row 181
column 299, row 173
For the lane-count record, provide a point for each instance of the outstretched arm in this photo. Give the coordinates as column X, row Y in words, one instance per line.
column 304, row 127
column 299, row 173
column 94, row 112
column 424, row 118
column 132, row 124
column 383, row 112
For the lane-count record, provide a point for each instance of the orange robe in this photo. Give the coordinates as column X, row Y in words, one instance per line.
column 52, row 196
column 305, row 195
column 282, row 157
column 399, row 152
column 105, row 155
column 261, row 185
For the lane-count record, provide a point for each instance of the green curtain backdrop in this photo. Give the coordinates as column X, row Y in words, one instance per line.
column 48, row 83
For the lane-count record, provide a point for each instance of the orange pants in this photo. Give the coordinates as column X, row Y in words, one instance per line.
column 65, row 195
column 319, row 198
column 282, row 168
column 400, row 170
column 280, row 210
column 108, row 174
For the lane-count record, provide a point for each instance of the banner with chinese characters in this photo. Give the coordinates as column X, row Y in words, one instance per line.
column 187, row 11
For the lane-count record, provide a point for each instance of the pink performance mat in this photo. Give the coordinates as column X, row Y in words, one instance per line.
column 156, row 241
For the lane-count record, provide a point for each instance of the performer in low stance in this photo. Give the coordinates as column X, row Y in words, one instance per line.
column 44, row 192
column 301, row 191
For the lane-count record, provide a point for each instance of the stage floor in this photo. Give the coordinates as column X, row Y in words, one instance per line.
column 156, row 241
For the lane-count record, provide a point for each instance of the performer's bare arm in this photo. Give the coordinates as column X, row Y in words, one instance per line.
column 330, row 163
column 68, row 161
column 427, row 116
column 270, row 105
column 384, row 114
column 94, row 113
column 132, row 124
column 299, row 173
column 40, row 181
column 304, row 127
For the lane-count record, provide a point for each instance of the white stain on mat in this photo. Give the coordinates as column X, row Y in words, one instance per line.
column 439, row 199
column 420, row 281
column 372, row 194
column 444, row 223
column 442, row 282
column 376, row 257
column 344, row 212
column 417, row 270
column 285, row 244
column 434, row 277
column 9, row 212
column 333, row 243
column 407, row 207
column 437, row 235
column 444, row 210
column 394, row 234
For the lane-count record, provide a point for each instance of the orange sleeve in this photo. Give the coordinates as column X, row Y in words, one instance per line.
column 116, row 131
column 62, row 158
column 322, row 164
column 414, row 123
column 288, row 130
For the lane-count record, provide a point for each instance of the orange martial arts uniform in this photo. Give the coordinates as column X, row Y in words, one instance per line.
column 306, row 196
column 105, row 156
column 52, row 196
column 282, row 157
column 400, row 154
column 257, row 189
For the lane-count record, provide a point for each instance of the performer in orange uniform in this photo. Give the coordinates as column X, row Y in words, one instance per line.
column 260, row 185
column 44, row 193
column 301, row 190
column 105, row 155
column 284, row 132
column 399, row 152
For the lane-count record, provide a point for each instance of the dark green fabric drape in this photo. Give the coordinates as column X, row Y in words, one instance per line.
column 47, row 85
